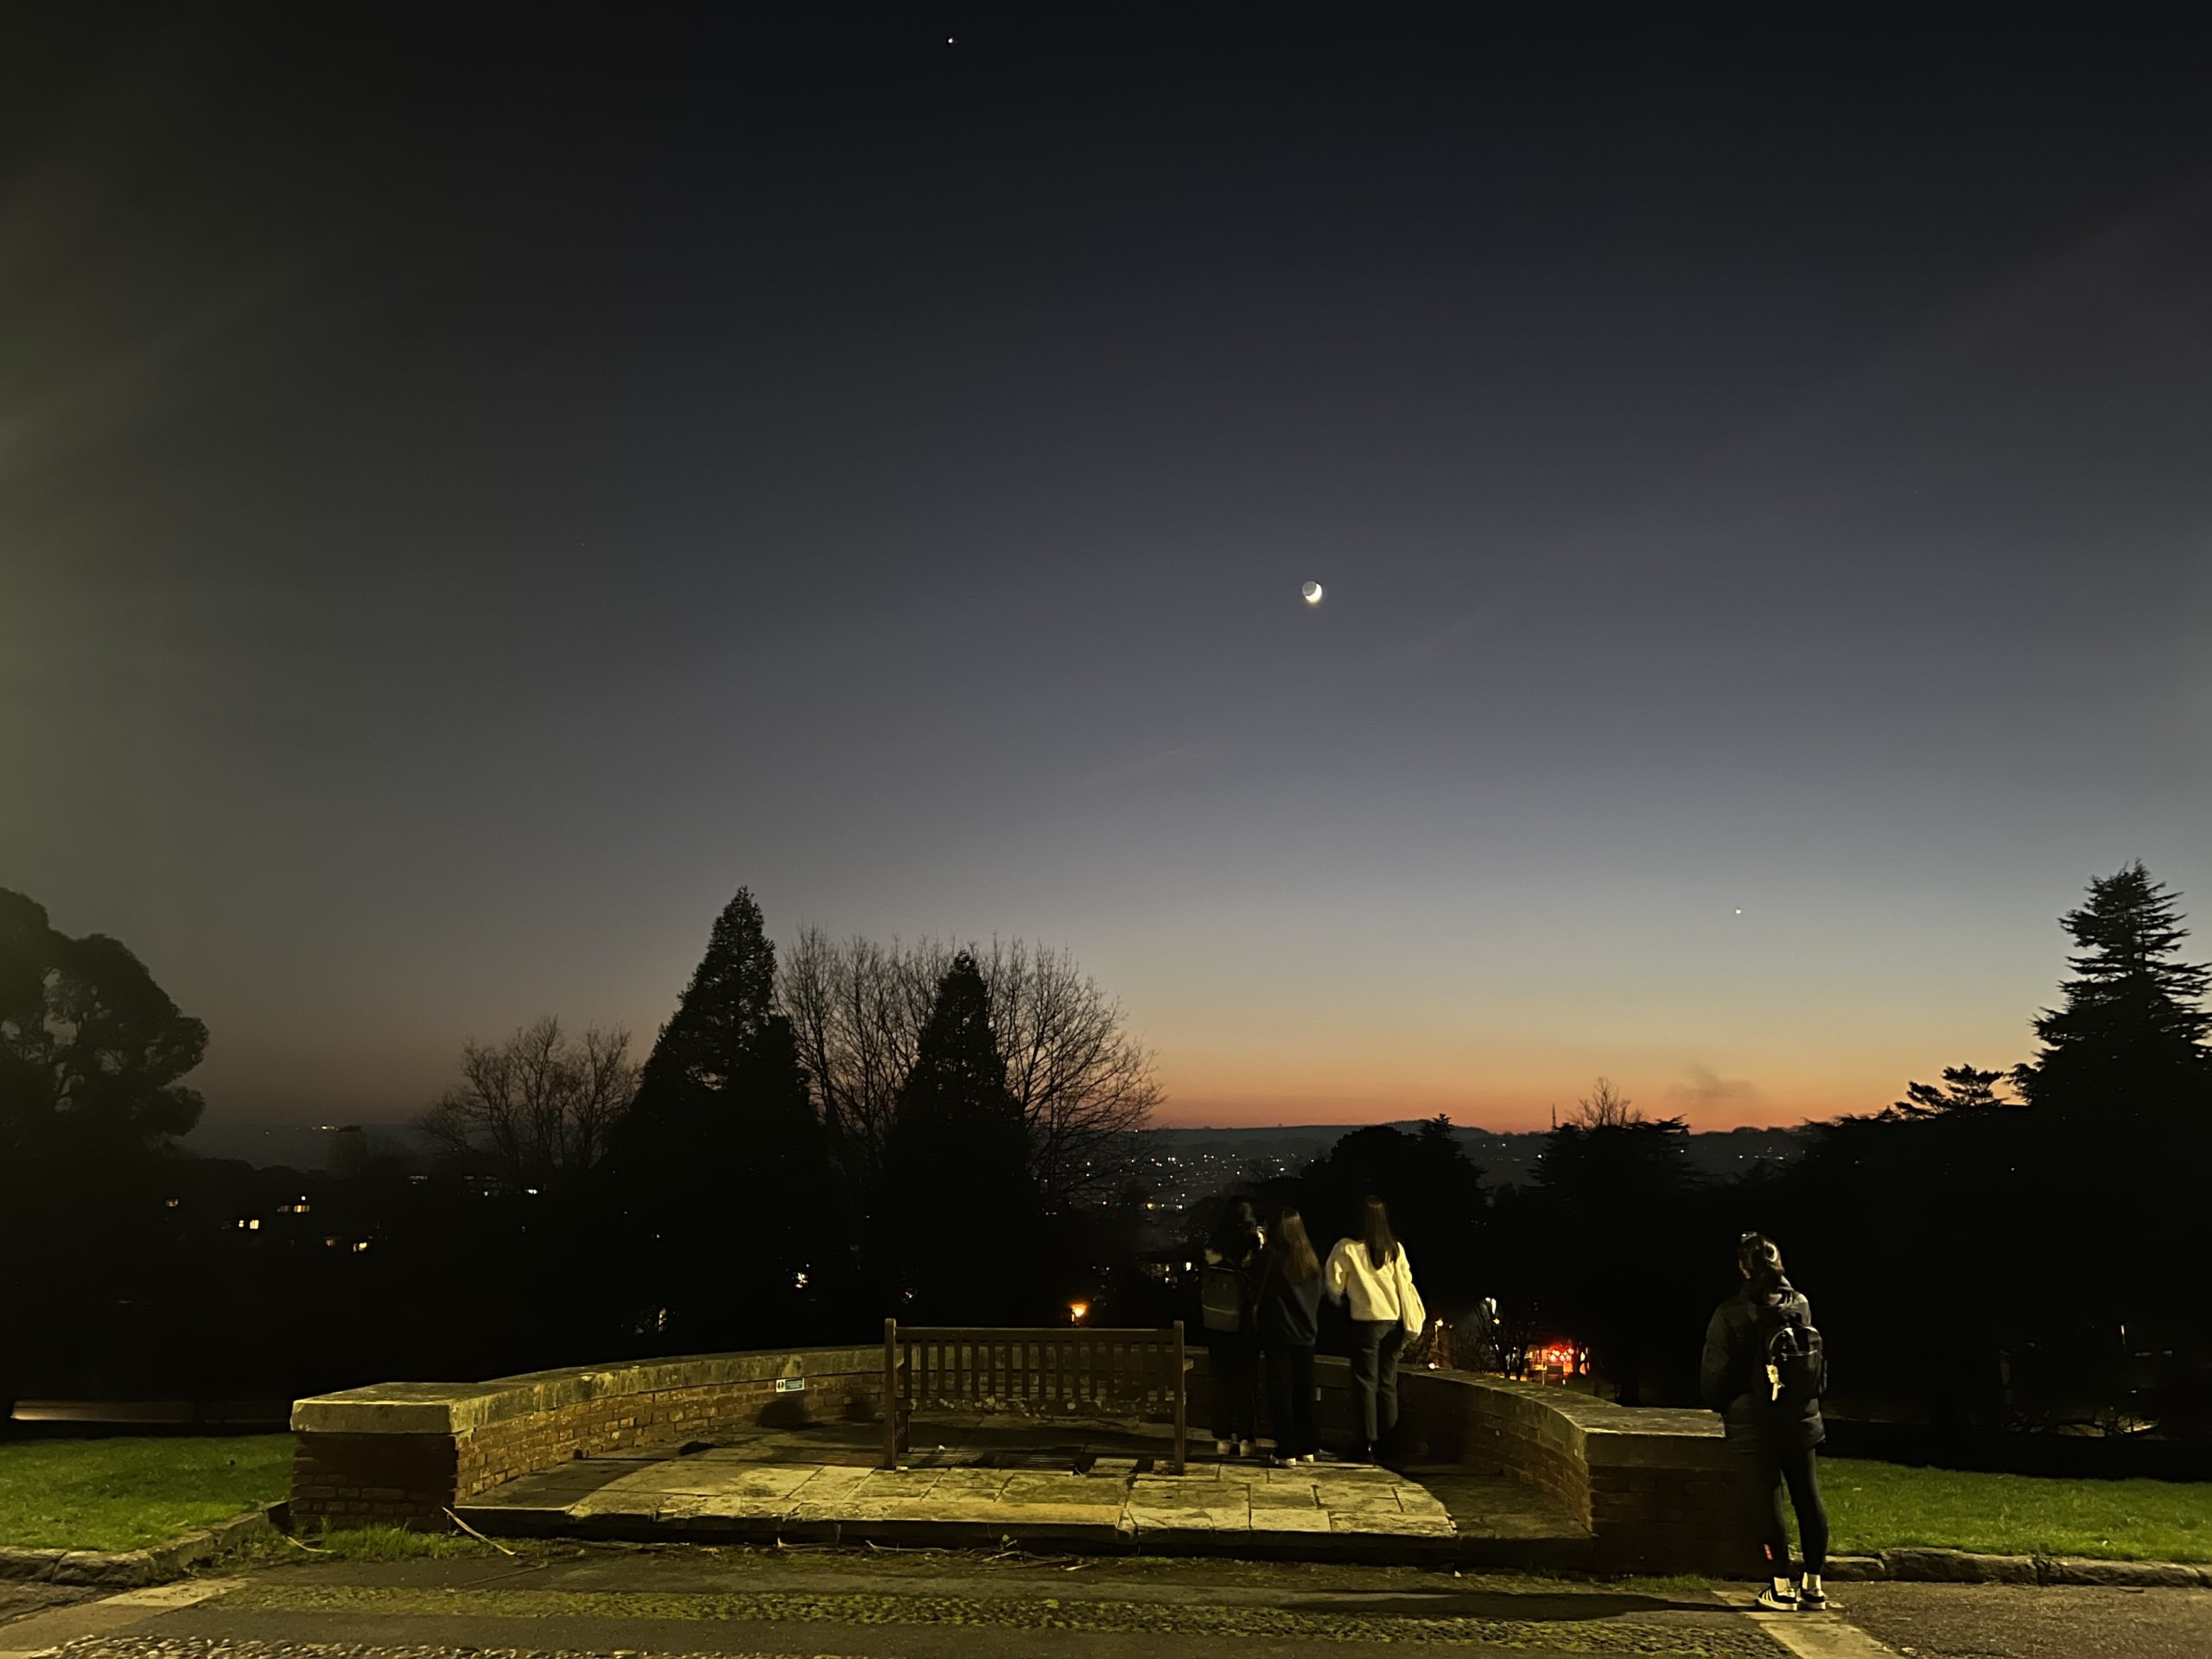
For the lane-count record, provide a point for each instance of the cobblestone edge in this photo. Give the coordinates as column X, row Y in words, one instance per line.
column 130, row 1569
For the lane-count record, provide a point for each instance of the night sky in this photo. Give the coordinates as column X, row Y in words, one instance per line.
column 477, row 487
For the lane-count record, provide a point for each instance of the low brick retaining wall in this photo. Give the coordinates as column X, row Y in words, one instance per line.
column 1656, row 1488
column 403, row 1453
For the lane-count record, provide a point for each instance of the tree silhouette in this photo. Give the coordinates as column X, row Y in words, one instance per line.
column 1966, row 1090
column 1085, row 1087
column 540, row 1106
column 2130, row 1039
column 959, row 1198
column 720, row 1161
column 1604, row 1108
column 1614, row 1217
column 1435, row 1195
column 91, row 1048
column 2122, row 1121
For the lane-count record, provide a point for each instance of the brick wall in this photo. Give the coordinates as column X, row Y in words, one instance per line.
column 1655, row 1487
column 403, row 1454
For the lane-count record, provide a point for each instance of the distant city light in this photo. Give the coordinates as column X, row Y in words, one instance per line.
column 1077, row 1312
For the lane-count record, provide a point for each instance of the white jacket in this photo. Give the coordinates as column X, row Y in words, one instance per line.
column 1376, row 1295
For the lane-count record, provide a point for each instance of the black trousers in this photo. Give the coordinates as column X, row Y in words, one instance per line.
column 1770, row 1472
column 1235, row 1356
column 1290, row 1398
column 1375, row 1345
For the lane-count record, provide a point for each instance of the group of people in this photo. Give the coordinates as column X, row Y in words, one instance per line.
column 1764, row 1367
column 1262, row 1293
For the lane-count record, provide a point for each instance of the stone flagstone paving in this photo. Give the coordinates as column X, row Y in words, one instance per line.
column 985, row 1482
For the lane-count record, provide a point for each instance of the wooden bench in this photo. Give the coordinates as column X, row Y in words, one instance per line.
column 1075, row 1372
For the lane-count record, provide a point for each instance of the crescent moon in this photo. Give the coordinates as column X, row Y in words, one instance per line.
column 1311, row 591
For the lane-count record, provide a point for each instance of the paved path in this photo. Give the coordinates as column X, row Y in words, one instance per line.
column 930, row 1606
column 986, row 1481
column 1992, row 1621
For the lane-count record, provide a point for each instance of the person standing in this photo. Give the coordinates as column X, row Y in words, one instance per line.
column 1372, row 1275
column 1232, row 1342
column 1289, row 1300
column 1765, row 1370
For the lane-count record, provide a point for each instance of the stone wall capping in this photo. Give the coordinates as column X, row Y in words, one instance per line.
column 458, row 1408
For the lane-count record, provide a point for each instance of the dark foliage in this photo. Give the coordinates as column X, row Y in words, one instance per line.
column 732, row 1223
column 963, row 1217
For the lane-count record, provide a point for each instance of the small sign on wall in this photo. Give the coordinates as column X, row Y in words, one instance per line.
column 790, row 1385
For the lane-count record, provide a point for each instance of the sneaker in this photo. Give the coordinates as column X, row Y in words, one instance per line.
column 1248, row 1448
column 1812, row 1599
column 1223, row 1449
column 1304, row 1458
column 1772, row 1603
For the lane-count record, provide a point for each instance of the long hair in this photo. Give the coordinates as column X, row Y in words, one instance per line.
column 1761, row 1260
column 1375, row 1230
column 1237, row 1235
column 1293, row 1250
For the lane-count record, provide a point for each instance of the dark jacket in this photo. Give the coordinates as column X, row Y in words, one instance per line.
column 1733, row 1382
column 1289, row 1314
column 1232, row 1258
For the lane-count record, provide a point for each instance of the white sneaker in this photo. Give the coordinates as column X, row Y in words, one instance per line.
column 1775, row 1603
column 1248, row 1449
column 1223, row 1449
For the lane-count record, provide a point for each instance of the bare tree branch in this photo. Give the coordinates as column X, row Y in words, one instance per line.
column 1085, row 1087
column 1604, row 1108
column 538, row 1105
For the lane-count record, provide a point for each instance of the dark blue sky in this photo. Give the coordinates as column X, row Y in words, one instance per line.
column 474, row 490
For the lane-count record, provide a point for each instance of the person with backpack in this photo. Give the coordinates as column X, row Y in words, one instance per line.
column 1373, row 1275
column 1289, row 1300
column 1225, row 1291
column 1765, row 1370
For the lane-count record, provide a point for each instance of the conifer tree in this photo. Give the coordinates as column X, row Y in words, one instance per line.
column 959, row 1196
column 2131, row 1038
column 721, row 1160
column 1966, row 1089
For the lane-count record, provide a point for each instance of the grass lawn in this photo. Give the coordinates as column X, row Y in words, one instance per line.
column 1875, row 1506
column 125, row 1493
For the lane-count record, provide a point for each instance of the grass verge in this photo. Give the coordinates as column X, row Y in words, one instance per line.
column 128, row 1492
column 394, row 1544
column 1877, row 1506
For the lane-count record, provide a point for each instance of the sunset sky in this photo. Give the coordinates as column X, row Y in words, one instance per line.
column 473, row 493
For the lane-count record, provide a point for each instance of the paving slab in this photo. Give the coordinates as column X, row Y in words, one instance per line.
column 984, row 1483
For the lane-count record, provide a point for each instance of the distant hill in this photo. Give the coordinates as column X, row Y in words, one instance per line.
column 1508, row 1158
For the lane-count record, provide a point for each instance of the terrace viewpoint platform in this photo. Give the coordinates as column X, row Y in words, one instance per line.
column 987, row 1480
column 784, row 1445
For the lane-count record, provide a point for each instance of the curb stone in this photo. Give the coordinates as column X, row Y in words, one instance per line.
column 1964, row 1567
column 130, row 1569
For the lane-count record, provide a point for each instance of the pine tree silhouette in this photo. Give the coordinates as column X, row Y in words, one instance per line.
column 2130, row 1038
column 721, row 1161
column 959, row 1196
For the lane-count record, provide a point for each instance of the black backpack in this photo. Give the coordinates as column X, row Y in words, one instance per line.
column 1795, row 1360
